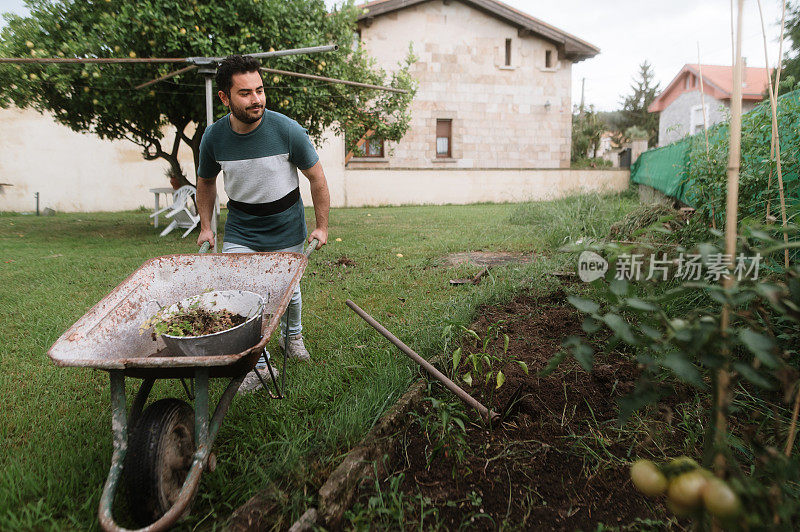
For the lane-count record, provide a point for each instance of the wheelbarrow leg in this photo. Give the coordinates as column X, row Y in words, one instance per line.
column 201, row 408
column 119, row 427
column 287, row 315
column 205, row 439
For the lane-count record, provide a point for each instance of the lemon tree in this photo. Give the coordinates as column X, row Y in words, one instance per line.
column 101, row 98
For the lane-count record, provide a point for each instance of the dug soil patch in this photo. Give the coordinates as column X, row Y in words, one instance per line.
column 559, row 463
column 486, row 258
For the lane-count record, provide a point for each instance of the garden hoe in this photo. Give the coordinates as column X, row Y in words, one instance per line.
column 489, row 416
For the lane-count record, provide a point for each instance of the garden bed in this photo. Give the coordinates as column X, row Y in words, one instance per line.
column 559, row 463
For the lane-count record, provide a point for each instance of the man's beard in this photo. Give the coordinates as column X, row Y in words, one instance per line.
column 241, row 114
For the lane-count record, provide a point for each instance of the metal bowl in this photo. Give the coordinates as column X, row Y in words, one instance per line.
column 228, row 342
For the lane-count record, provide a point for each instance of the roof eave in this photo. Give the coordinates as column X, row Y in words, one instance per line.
column 574, row 48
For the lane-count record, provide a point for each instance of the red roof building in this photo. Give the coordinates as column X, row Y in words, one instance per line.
column 681, row 105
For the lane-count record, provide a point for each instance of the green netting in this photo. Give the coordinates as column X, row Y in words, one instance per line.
column 664, row 169
column 682, row 170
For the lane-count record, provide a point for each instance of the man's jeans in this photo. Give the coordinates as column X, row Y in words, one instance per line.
column 295, row 305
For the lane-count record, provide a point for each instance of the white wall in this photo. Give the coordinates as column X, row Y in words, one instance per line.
column 75, row 172
column 461, row 186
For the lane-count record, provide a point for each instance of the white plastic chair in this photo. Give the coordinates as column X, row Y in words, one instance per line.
column 161, row 209
column 181, row 213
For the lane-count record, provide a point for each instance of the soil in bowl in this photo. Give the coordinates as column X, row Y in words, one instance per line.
column 196, row 322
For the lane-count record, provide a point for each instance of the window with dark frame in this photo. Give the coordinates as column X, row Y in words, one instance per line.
column 548, row 59
column 508, row 52
column 371, row 148
column 444, row 135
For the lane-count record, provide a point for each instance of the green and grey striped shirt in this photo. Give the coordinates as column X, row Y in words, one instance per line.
column 265, row 211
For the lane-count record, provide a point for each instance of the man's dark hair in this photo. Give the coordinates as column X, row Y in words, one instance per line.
column 234, row 64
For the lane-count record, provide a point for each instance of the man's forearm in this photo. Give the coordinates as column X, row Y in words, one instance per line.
column 206, row 197
column 322, row 202
column 319, row 194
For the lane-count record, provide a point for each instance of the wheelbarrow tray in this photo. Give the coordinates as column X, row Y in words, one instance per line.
column 109, row 337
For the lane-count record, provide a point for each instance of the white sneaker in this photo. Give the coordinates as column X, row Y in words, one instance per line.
column 297, row 348
column 251, row 383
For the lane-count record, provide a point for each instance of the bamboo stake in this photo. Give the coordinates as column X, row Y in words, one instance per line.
column 793, row 426
column 731, row 230
column 777, row 85
column 776, row 145
column 705, row 124
column 702, row 97
column 772, row 95
column 733, row 39
column 775, row 138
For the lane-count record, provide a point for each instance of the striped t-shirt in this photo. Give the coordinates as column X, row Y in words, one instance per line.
column 265, row 211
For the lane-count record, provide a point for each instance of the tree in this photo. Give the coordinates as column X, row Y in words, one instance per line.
column 101, row 98
column 791, row 61
column 587, row 128
column 635, row 105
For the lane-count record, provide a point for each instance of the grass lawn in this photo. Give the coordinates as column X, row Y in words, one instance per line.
column 55, row 431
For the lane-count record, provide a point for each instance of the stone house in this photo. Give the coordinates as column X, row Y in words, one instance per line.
column 494, row 84
column 681, row 106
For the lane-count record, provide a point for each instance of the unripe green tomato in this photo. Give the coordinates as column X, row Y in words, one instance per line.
column 678, row 510
column 679, row 465
column 678, row 323
column 684, row 460
column 687, row 489
column 648, row 478
column 720, row 500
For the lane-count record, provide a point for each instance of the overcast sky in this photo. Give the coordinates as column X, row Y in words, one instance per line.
column 663, row 32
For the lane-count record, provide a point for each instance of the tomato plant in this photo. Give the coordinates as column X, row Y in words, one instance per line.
column 677, row 334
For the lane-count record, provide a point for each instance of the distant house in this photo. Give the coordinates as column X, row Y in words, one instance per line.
column 681, row 107
column 494, row 84
column 607, row 148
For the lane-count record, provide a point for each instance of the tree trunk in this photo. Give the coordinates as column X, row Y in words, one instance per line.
column 195, row 146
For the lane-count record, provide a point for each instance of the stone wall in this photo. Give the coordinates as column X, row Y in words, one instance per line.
column 516, row 116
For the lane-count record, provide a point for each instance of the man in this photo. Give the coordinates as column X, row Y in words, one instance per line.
column 259, row 152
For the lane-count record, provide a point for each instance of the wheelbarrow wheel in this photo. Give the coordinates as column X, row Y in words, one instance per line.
column 159, row 456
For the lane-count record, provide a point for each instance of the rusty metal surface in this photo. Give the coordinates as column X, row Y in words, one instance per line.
column 108, row 336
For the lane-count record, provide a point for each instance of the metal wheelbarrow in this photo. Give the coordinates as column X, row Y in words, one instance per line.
column 169, row 445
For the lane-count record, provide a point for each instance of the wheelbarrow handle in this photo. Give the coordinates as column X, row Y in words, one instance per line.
column 311, row 247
